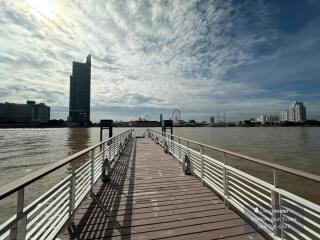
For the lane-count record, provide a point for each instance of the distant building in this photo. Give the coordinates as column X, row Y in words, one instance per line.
column 261, row 119
column 212, row 119
column 296, row 112
column 79, row 104
column 284, row 116
column 272, row 118
column 24, row 113
column 267, row 119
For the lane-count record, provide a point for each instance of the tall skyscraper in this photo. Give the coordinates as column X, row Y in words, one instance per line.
column 79, row 104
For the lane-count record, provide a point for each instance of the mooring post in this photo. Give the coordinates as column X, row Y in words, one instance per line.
column 106, row 124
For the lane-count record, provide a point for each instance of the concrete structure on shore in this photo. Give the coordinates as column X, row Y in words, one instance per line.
column 296, row 112
column 24, row 113
column 80, row 83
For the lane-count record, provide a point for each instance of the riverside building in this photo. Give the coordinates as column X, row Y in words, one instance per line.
column 24, row 113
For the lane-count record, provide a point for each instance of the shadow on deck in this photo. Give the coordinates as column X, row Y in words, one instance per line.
column 149, row 197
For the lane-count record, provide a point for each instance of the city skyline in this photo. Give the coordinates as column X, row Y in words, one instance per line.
column 199, row 57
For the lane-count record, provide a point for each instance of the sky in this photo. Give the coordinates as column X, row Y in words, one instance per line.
column 241, row 58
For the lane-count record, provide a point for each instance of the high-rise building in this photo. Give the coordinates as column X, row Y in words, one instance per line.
column 24, row 113
column 212, row 119
column 284, row 115
column 79, row 104
column 295, row 113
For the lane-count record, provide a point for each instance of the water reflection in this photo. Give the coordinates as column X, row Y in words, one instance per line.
column 78, row 139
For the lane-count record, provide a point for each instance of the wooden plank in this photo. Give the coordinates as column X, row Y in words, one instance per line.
column 149, row 197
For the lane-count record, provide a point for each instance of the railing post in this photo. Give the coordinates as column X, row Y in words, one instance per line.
column 115, row 147
column 201, row 162
column 179, row 149
column 225, row 180
column 19, row 230
column 114, row 142
column 92, row 169
column 173, row 145
column 72, row 193
column 109, row 150
column 275, row 200
column 103, row 151
column 118, row 145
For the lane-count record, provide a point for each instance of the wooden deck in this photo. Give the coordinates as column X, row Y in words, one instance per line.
column 149, row 197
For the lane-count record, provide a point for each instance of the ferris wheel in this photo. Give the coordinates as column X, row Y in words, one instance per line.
column 176, row 116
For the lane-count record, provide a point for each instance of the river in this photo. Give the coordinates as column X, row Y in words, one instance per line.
column 23, row 151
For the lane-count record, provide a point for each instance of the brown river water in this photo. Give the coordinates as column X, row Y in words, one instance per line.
column 23, row 151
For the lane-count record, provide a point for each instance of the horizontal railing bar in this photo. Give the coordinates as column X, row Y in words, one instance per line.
column 249, row 214
column 243, row 192
column 213, row 174
column 301, row 234
column 213, row 161
column 39, row 224
column 210, row 165
column 212, row 183
column 250, row 179
column 46, row 201
column 80, row 169
column 84, row 174
column 249, row 208
column 53, row 225
column 298, row 199
column 304, row 218
column 35, row 205
column 293, row 171
column 232, row 179
column 57, row 229
column 30, row 178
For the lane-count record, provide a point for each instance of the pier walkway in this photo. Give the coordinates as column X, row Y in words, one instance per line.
column 149, row 197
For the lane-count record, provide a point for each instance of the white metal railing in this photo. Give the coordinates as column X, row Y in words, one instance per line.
column 45, row 217
column 276, row 212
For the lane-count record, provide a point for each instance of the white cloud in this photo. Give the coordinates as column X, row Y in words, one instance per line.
column 159, row 54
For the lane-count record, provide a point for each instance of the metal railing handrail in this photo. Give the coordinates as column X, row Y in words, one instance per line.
column 275, row 166
column 20, row 183
column 275, row 211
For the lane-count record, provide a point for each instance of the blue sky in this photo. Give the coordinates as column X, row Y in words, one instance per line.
column 244, row 58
